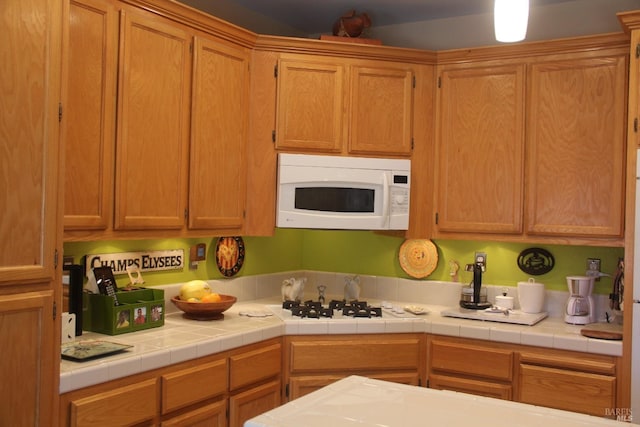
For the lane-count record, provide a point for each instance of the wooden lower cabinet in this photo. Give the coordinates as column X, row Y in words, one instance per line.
column 586, row 385
column 253, row 402
column 561, row 379
column 194, row 393
column 311, row 362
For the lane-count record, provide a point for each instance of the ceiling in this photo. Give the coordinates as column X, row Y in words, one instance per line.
column 422, row 24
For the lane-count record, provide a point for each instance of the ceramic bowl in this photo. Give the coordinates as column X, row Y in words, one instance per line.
column 204, row 310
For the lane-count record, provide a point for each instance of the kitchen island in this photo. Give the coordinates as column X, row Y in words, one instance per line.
column 365, row 402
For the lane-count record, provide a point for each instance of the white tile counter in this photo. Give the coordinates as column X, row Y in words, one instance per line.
column 181, row 339
column 367, row 402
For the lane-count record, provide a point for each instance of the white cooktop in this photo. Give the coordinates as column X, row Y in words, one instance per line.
column 515, row 316
column 364, row 402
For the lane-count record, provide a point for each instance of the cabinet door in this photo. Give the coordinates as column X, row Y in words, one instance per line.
column 29, row 139
column 29, row 358
column 128, row 405
column 576, row 142
column 253, row 402
column 310, row 106
column 471, row 386
column 153, row 123
column 211, row 415
column 381, row 111
column 480, row 147
column 584, row 392
column 90, row 114
column 219, row 113
column 30, row 48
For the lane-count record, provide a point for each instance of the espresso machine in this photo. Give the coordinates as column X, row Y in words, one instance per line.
column 580, row 307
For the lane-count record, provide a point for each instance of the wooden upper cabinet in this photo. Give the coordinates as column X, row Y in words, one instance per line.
column 576, row 147
column 480, row 149
column 153, row 123
column 29, row 140
column 90, row 114
column 220, row 96
column 310, row 106
column 381, row 111
column 349, row 107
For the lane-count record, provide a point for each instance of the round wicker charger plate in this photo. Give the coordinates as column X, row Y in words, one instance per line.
column 418, row 257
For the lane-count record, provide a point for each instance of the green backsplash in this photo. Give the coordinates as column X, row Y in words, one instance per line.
column 361, row 252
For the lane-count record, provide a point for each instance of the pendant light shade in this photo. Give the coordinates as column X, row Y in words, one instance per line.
column 510, row 20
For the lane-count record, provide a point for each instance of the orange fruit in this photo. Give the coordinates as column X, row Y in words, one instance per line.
column 212, row 297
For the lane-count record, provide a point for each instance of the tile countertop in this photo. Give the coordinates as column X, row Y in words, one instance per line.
column 181, row 339
column 365, row 402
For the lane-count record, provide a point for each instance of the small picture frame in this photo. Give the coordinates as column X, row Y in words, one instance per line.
column 140, row 315
column 156, row 313
column 123, row 320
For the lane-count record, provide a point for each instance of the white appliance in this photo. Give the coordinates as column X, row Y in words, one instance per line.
column 580, row 307
column 635, row 339
column 337, row 192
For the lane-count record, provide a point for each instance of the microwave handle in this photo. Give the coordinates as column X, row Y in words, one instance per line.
column 385, row 199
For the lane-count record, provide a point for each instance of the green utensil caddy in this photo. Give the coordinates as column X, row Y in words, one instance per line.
column 137, row 310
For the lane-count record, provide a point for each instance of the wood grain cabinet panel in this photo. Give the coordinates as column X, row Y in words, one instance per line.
column 90, row 114
column 254, row 366
column 253, row 402
column 480, row 149
column 381, row 111
column 153, row 123
column 211, row 415
column 470, row 359
column 569, row 390
column 471, row 386
column 310, row 105
column 576, row 147
column 189, row 386
column 217, row 171
column 128, row 405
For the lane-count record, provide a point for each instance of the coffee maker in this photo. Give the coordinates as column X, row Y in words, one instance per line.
column 580, row 308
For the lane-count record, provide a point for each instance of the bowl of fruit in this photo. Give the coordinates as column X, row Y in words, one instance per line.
column 198, row 302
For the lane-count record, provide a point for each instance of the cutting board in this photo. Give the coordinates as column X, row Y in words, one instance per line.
column 605, row 331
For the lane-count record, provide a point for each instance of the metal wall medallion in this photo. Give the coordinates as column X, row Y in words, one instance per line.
column 536, row 261
column 229, row 255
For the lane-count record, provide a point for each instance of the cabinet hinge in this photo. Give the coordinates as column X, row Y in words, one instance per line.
column 275, row 71
column 55, row 259
column 635, row 125
column 55, row 310
column 439, row 82
column 59, row 111
column 273, row 136
column 436, row 218
column 412, row 143
column 186, row 214
column 286, row 391
column 638, row 50
column 414, row 82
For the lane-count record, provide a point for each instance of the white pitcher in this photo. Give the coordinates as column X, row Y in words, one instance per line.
column 293, row 289
column 351, row 288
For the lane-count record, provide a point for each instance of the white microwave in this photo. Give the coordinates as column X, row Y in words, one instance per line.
column 348, row 193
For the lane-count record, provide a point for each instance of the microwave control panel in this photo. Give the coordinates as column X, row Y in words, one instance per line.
column 399, row 200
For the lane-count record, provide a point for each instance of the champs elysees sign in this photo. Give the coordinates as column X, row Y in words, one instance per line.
column 145, row 261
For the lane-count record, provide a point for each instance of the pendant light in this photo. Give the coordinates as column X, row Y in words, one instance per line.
column 510, row 19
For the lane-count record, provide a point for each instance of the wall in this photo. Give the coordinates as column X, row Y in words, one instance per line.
column 361, row 252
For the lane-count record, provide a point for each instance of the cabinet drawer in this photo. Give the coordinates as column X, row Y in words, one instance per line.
column 570, row 390
column 473, row 360
column 126, row 405
column 192, row 385
column 466, row 385
column 254, row 366
column 355, row 355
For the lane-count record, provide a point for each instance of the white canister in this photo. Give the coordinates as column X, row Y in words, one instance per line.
column 504, row 301
column 531, row 296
